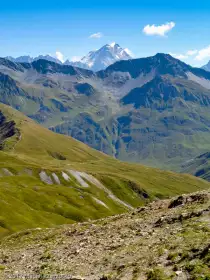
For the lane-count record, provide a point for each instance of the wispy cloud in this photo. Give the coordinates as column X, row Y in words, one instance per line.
column 129, row 52
column 59, row 56
column 203, row 54
column 185, row 55
column 197, row 55
column 192, row 52
column 96, row 35
column 179, row 56
column 159, row 30
column 76, row 58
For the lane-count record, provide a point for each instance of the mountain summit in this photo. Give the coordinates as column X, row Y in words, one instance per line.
column 102, row 58
column 94, row 60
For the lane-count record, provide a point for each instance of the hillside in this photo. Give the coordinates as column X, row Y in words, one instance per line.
column 152, row 110
column 167, row 239
column 198, row 166
column 49, row 179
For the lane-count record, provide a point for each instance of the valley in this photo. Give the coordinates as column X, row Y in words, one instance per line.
column 104, row 140
column 49, row 179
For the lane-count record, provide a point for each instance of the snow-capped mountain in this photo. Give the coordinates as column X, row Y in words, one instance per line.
column 102, row 58
column 94, row 60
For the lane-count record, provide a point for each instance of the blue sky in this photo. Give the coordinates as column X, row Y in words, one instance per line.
column 44, row 27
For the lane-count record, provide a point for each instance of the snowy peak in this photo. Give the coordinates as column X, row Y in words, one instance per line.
column 94, row 60
column 102, row 58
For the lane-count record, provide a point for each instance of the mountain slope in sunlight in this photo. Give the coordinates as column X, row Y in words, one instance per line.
column 48, row 179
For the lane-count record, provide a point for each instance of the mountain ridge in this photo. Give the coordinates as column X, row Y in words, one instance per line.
column 166, row 122
column 94, row 60
column 29, row 59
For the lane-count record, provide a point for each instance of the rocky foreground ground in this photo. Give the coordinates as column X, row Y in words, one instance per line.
column 168, row 239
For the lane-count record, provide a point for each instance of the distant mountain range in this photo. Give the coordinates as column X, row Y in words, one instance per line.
column 151, row 110
column 94, row 60
column 29, row 59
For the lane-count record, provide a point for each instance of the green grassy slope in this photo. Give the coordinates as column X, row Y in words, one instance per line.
column 27, row 200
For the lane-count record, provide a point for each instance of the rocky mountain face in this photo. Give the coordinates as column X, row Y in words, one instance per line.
column 7, row 130
column 152, row 110
column 102, row 58
column 164, row 240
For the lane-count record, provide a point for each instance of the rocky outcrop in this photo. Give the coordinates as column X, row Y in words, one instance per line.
column 151, row 242
column 7, row 130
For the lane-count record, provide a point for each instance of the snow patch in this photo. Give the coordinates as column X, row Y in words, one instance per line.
column 7, row 172
column 112, row 44
column 56, row 179
column 65, row 176
column 97, row 183
column 78, row 176
column 100, row 202
column 45, row 178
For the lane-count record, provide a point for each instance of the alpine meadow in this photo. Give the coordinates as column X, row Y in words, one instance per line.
column 104, row 140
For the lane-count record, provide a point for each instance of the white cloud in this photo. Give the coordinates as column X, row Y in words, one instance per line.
column 203, row 54
column 159, row 30
column 196, row 55
column 185, row 55
column 59, row 56
column 96, row 35
column 76, row 58
column 179, row 56
column 191, row 52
